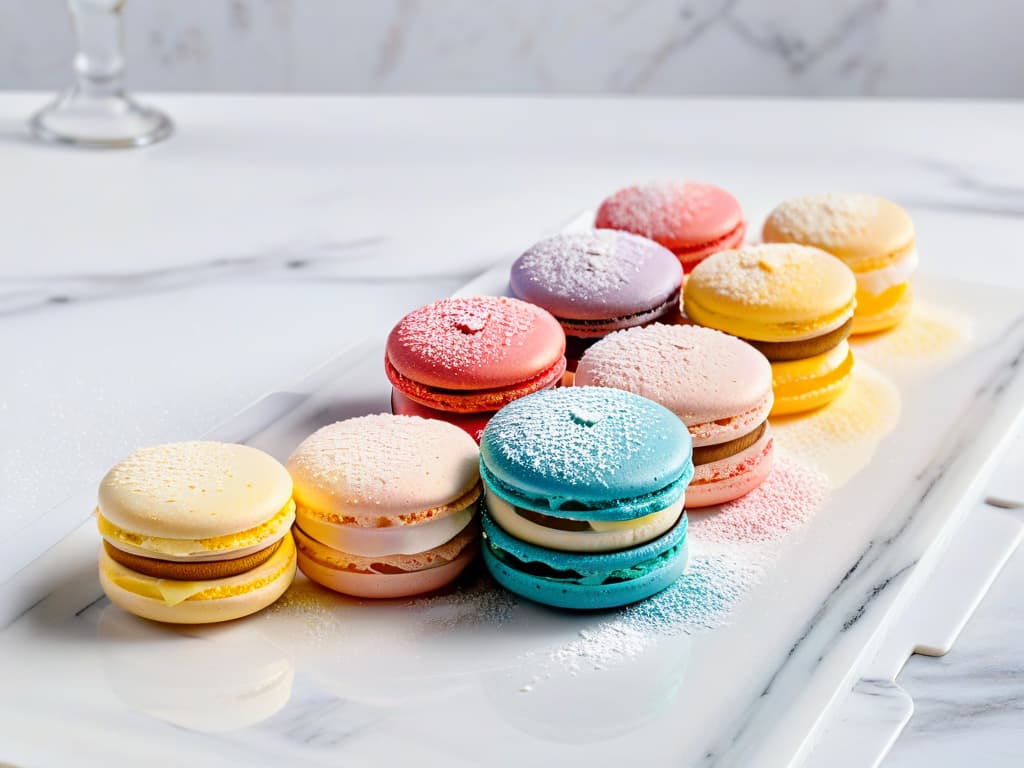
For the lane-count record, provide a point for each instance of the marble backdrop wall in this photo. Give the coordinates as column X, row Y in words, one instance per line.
column 730, row 47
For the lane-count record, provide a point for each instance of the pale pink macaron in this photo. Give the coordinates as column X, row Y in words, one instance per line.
column 719, row 386
column 691, row 219
column 386, row 506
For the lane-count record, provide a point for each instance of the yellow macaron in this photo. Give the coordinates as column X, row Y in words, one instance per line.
column 794, row 303
column 873, row 236
column 196, row 532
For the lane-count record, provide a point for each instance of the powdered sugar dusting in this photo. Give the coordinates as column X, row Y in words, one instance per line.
column 583, row 437
column 383, row 469
column 589, row 274
column 828, row 220
column 702, row 375
column 789, row 497
column 463, row 334
column 927, row 334
column 841, row 439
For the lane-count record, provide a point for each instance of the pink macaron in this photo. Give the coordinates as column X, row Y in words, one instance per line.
column 598, row 281
column 719, row 386
column 691, row 219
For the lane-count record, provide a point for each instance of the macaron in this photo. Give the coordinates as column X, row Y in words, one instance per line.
column 386, row 505
column 718, row 386
column 873, row 236
column 794, row 303
column 691, row 219
column 196, row 532
column 473, row 356
column 598, row 281
column 584, row 496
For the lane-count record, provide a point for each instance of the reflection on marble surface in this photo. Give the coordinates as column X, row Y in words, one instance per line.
column 780, row 47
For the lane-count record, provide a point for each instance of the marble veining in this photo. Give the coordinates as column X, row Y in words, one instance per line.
column 749, row 47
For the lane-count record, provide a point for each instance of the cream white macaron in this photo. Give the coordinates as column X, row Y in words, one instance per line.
column 196, row 532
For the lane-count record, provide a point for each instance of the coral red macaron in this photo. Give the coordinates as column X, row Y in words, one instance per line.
column 474, row 355
column 691, row 219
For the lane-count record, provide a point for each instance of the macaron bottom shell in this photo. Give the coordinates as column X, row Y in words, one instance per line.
column 608, row 580
column 210, row 601
column 321, row 564
column 883, row 311
column 730, row 478
column 811, row 383
column 383, row 586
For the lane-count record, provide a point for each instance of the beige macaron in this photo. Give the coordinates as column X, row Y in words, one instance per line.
column 384, row 503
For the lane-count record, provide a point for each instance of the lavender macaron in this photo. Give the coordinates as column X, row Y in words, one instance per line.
column 598, row 281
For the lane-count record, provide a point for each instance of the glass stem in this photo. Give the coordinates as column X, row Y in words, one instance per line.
column 99, row 63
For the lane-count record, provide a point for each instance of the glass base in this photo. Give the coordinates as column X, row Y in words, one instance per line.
column 113, row 121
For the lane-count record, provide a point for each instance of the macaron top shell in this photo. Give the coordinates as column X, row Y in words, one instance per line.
column 384, row 470
column 596, row 274
column 194, row 490
column 772, row 292
column 677, row 214
column 483, row 342
column 588, row 446
column 720, row 386
column 863, row 230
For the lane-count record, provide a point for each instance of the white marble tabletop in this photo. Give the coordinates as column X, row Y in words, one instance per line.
column 146, row 296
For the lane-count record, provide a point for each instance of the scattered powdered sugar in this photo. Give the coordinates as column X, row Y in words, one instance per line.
column 462, row 334
column 703, row 597
column 841, row 439
column 664, row 210
column 789, row 497
column 601, row 647
column 927, row 334
column 827, row 220
column 480, row 602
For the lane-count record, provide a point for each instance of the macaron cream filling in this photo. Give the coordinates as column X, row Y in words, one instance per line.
column 575, row 509
column 579, row 535
column 173, row 591
column 879, row 280
column 395, row 539
column 224, row 547
column 435, row 557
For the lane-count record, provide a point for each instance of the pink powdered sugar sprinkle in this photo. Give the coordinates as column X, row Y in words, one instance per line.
column 790, row 496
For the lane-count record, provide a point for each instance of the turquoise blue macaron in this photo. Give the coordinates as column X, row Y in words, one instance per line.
column 575, row 456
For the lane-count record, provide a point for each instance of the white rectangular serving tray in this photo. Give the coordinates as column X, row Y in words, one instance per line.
column 475, row 677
